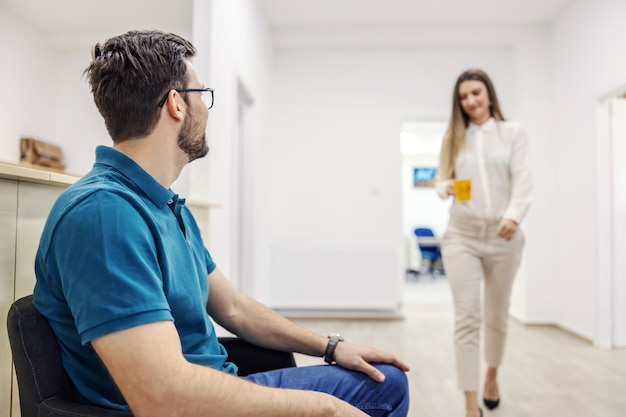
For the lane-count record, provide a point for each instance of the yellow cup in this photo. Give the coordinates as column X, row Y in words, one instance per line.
column 463, row 189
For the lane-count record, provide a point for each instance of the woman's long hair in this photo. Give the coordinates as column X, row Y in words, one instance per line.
column 454, row 139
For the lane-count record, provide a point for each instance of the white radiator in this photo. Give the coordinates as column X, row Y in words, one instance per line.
column 342, row 279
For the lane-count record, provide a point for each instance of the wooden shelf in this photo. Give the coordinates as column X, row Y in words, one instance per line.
column 35, row 175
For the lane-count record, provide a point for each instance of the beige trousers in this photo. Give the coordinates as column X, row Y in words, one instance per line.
column 471, row 253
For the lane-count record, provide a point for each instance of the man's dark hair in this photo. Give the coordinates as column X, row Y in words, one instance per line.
column 131, row 73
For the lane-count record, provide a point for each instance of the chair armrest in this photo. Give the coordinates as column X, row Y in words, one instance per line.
column 58, row 407
column 252, row 358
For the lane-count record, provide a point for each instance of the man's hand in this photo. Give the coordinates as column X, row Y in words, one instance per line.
column 506, row 229
column 359, row 358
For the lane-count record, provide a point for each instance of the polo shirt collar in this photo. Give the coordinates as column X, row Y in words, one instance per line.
column 115, row 159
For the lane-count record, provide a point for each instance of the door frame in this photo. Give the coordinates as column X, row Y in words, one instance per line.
column 611, row 194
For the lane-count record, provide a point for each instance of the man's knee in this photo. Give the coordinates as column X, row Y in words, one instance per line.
column 395, row 389
column 395, row 378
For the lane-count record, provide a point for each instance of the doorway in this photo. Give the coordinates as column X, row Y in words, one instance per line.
column 420, row 144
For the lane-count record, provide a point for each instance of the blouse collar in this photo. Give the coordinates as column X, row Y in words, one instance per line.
column 488, row 125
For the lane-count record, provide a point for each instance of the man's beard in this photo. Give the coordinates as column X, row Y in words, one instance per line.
column 192, row 139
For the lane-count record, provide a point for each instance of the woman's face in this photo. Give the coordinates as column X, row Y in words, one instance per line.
column 474, row 100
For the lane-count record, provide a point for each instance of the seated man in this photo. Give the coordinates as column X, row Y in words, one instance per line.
column 125, row 281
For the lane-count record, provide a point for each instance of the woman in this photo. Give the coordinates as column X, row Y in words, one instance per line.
column 482, row 240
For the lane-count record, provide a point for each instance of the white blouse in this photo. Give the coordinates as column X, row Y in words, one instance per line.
column 495, row 158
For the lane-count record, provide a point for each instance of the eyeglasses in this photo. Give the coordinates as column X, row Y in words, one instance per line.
column 208, row 100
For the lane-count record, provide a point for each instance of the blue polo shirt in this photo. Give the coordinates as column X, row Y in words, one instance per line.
column 120, row 250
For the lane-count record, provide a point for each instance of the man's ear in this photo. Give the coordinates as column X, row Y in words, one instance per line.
column 173, row 106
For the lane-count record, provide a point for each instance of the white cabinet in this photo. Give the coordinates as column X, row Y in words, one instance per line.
column 26, row 196
column 8, row 220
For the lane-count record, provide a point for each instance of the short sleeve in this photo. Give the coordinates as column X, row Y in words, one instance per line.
column 210, row 264
column 111, row 275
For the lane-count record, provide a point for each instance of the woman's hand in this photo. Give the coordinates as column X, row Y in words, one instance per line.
column 450, row 189
column 506, row 229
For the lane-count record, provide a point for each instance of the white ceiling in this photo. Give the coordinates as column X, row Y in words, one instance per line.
column 407, row 12
column 54, row 17
column 67, row 21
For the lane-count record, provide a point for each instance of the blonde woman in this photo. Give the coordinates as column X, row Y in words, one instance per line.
column 483, row 241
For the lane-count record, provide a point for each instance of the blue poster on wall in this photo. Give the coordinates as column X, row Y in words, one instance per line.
column 424, row 177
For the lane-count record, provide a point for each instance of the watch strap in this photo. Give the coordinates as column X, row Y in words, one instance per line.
column 329, row 353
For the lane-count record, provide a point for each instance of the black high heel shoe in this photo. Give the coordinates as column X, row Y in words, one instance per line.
column 491, row 404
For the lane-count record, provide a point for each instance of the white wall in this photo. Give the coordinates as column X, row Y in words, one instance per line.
column 336, row 173
column 588, row 43
column 78, row 122
column 28, row 85
column 240, row 54
column 535, row 287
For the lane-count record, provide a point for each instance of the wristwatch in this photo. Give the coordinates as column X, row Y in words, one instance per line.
column 329, row 354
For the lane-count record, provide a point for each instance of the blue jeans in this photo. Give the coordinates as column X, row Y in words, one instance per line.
column 377, row 399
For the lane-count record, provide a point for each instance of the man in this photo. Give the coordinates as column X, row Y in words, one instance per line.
column 125, row 281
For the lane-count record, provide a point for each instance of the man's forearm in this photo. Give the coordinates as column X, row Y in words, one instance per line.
column 204, row 392
column 251, row 320
column 265, row 327
column 156, row 380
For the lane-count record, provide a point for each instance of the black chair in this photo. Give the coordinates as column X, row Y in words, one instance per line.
column 46, row 390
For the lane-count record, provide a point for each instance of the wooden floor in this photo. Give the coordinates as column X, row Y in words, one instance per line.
column 547, row 372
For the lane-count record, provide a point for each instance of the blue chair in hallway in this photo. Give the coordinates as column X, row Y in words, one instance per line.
column 430, row 249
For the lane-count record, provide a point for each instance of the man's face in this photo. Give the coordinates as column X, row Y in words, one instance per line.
column 192, row 135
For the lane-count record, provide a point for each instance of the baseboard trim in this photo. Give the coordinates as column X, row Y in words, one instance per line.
column 555, row 326
column 343, row 314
